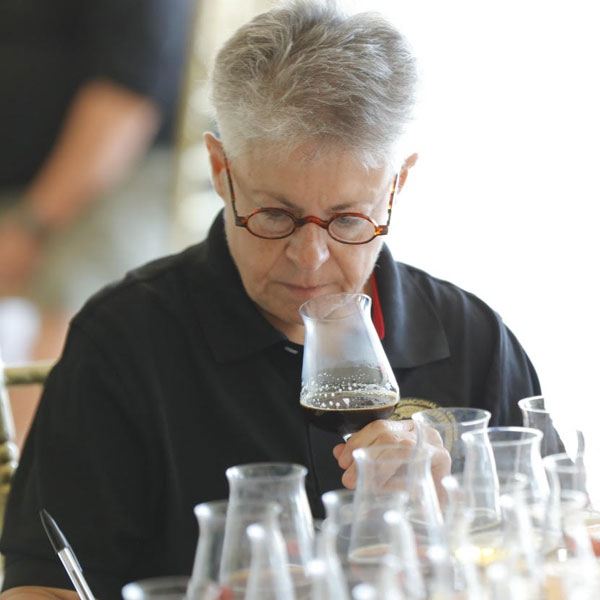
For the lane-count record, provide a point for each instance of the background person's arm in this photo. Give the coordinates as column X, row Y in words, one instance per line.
column 35, row 593
column 107, row 129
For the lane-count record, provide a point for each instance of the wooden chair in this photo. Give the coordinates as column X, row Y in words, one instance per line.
column 27, row 374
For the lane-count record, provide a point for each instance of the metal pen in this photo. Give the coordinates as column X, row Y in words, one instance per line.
column 67, row 556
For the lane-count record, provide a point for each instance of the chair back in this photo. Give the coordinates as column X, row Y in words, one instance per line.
column 26, row 374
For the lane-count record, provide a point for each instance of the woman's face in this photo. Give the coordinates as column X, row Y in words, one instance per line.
column 279, row 275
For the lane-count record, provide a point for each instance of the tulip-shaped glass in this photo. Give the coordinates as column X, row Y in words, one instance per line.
column 451, row 422
column 391, row 477
column 536, row 414
column 347, row 381
column 508, row 450
column 325, row 571
column 283, row 484
column 268, row 576
column 339, row 511
column 568, row 477
column 203, row 584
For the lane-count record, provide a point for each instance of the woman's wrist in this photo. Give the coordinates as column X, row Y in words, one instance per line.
column 27, row 219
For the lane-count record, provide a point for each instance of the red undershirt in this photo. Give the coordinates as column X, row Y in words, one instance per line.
column 376, row 313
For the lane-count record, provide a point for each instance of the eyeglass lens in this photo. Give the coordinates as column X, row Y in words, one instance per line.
column 273, row 223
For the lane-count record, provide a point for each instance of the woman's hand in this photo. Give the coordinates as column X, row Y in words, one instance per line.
column 387, row 433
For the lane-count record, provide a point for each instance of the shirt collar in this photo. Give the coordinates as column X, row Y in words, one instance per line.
column 414, row 334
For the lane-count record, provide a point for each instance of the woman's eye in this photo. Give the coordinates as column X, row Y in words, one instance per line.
column 346, row 221
column 276, row 215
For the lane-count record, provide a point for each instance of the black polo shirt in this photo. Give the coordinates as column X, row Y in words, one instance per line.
column 172, row 375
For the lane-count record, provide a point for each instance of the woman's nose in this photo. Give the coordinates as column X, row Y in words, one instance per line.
column 308, row 247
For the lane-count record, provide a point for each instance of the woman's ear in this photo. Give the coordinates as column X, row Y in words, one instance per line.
column 408, row 164
column 216, row 157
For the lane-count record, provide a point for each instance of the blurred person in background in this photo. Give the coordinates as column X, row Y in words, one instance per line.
column 89, row 93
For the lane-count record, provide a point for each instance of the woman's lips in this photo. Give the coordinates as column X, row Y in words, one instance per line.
column 305, row 290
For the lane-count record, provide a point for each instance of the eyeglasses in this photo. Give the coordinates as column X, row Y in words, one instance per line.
column 277, row 223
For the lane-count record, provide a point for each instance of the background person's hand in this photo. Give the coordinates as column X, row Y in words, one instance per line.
column 386, row 433
column 20, row 253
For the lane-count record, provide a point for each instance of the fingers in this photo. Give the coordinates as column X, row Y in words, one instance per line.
column 387, row 464
column 377, row 433
column 337, row 450
column 431, row 435
column 400, row 439
column 400, row 434
column 440, row 461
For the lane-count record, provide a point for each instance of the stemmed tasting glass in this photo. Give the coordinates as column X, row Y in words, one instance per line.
column 347, row 381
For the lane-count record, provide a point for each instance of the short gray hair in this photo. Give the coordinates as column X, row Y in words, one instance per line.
column 305, row 71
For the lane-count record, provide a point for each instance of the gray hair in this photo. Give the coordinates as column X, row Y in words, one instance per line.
column 305, row 71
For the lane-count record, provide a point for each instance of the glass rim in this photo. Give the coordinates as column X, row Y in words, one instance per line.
column 521, row 403
column 341, row 493
column 531, row 432
column 486, row 415
column 303, row 307
column 507, row 480
column 239, row 471
column 211, row 507
column 172, row 583
column 420, row 451
column 553, row 461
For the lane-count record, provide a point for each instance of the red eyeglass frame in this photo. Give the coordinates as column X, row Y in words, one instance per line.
column 300, row 221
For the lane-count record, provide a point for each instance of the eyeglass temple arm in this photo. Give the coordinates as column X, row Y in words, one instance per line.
column 398, row 184
column 239, row 221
